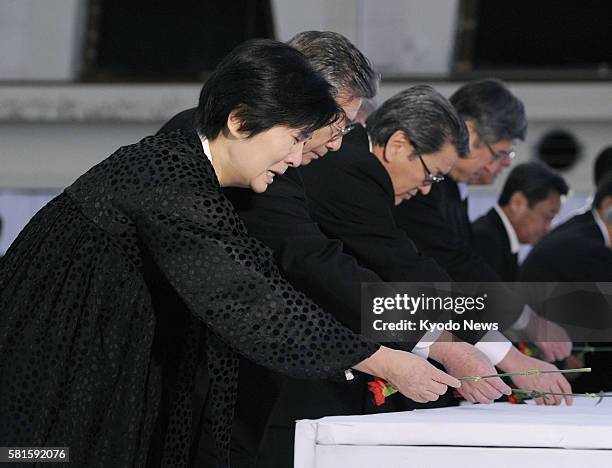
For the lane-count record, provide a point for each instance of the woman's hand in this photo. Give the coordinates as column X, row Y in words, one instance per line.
column 412, row 375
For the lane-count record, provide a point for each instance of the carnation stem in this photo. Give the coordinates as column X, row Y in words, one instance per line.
column 476, row 378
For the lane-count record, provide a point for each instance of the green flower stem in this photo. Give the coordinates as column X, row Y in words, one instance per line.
column 591, row 349
column 523, row 394
column 476, row 378
column 539, row 394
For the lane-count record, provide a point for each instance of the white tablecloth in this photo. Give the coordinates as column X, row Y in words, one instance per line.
column 476, row 435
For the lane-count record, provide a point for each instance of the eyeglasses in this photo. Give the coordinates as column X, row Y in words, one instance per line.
column 499, row 156
column 341, row 132
column 429, row 177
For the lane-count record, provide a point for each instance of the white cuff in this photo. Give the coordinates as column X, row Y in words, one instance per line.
column 524, row 319
column 494, row 345
column 422, row 347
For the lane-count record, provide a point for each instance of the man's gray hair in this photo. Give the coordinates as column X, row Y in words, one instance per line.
column 495, row 112
column 340, row 62
column 426, row 118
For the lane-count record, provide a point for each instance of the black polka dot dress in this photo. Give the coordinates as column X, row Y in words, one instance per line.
column 117, row 290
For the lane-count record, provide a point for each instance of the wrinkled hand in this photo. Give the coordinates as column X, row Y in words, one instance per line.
column 412, row 375
column 417, row 379
column 515, row 361
column 462, row 359
column 551, row 339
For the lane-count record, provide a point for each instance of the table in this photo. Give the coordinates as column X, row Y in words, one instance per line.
column 497, row 435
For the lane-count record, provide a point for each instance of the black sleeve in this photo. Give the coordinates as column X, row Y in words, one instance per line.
column 351, row 204
column 229, row 281
column 577, row 261
column 488, row 246
column 533, row 269
column 425, row 220
column 309, row 260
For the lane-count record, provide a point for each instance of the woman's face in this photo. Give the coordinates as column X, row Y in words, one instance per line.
column 255, row 161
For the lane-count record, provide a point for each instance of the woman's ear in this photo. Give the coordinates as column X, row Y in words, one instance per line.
column 398, row 146
column 233, row 124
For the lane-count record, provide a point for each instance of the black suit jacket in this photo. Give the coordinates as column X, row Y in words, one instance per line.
column 573, row 251
column 440, row 226
column 351, row 197
column 491, row 241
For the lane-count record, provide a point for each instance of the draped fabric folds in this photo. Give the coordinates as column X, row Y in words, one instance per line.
column 124, row 284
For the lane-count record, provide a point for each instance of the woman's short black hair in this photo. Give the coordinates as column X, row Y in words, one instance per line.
column 265, row 83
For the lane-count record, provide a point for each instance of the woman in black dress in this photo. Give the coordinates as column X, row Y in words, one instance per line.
column 117, row 291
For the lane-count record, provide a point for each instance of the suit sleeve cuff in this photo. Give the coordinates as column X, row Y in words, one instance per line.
column 422, row 347
column 495, row 346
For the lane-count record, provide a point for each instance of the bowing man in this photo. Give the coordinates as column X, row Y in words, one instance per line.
column 579, row 250
column 439, row 223
column 408, row 146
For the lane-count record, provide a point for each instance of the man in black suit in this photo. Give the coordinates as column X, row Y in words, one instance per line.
column 439, row 223
column 579, row 250
column 411, row 142
column 528, row 203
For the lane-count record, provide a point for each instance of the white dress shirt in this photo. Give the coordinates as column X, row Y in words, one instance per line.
column 205, row 147
column 464, row 190
column 515, row 245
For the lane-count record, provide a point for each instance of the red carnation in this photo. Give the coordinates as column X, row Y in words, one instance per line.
column 380, row 389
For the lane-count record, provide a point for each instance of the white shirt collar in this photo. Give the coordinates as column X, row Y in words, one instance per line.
column 464, row 190
column 205, row 147
column 515, row 245
column 602, row 226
